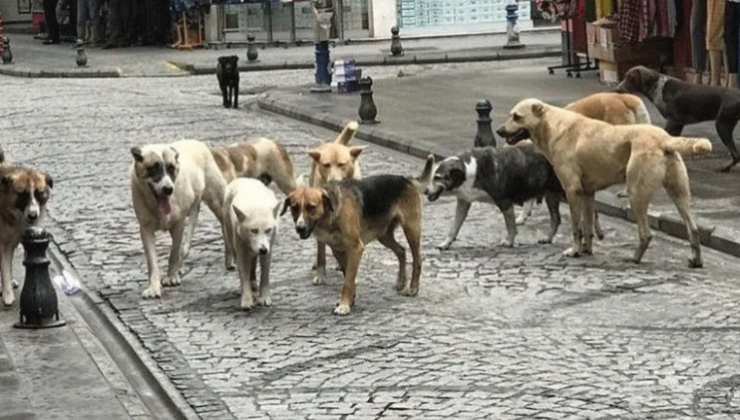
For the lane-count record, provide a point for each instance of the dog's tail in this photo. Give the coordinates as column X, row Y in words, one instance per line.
column 641, row 113
column 421, row 182
column 688, row 145
column 348, row 133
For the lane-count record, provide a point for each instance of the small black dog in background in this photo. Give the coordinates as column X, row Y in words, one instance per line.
column 227, row 72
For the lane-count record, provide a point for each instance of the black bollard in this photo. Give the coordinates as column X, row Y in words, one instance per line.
column 396, row 48
column 252, row 53
column 81, row 56
column 368, row 111
column 7, row 54
column 39, row 306
column 484, row 137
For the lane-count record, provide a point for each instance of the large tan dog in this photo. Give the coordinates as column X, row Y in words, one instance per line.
column 349, row 215
column 259, row 158
column 590, row 155
column 333, row 161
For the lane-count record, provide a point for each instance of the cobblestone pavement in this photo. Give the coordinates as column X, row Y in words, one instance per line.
column 494, row 333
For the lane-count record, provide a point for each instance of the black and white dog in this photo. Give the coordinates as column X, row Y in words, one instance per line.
column 682, row 103
column 227, row 72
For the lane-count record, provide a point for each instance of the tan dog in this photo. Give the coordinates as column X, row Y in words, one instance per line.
column 611, row 107
column 260, row 158
column 590, row 155
column 333, row 161
column 350, row 214
column 24, row 193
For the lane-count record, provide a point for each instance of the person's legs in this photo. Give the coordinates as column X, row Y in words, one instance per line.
column 83, row 14
column 732, row 41
column 52, row 26
column 698, row 39
column 115, row 23
column 715, row 38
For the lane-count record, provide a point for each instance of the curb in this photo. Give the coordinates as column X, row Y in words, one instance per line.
column 607, row 203
column 383, row 60
column 55, row 74
column 153, row 387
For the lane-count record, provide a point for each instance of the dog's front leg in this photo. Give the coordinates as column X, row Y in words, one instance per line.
column 244, row 262
column 320, row 263
column 175, row 262
column 225, row 94
column 236, row 93
column 349, row 287
column 6, row 274
column 150, row 251
column 188, row 237
column 574, row 203
column 588, row 224
column 228, row 244
column 461, row 213
column 510, row 220
column 526, row 212
column 553, row 206
column 265, row 299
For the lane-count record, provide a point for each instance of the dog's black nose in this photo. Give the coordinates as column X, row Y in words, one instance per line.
column 501, row 132
column 32, row 216
column 167, row 190
column 263, row 250
column 300, row 230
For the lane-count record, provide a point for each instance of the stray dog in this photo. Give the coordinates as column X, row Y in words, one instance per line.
column 350, row 214
column 227, row 72
column 590, row 155
column 504, row 177
column 24, row 193
column 333, row 161
column 683, row 103
column 250, row 221
column 261, row 158
column 168, row 183
column 613, row 108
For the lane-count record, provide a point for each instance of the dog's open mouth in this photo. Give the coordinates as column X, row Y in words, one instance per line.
column 163, row 203
column 433, row 195
column 517, row 136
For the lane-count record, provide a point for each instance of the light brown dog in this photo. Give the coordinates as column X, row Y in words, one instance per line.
column 590, row 155
column 333, row 161
column 24, row 193
column 350, row 214
column 259, row 158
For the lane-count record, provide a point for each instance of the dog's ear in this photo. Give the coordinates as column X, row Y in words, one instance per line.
column 177, row 154
column 286, row 205
column 426, row 174
column 328, row 206
column 49, row 181
column 457, row 175
column 235, row 58
column 239, row 214
column 136, row 152
column 355, row 151
column 222, row 59
column 315, row 155
column 538, row 109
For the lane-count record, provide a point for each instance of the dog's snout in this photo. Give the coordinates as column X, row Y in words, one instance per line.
column 501, row 131
column 300, row 229
column 32, row 215
column 263, row 250
column 167, row 190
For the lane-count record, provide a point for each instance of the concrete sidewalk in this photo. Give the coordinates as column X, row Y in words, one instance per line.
column 435, row 114
column 33, row 59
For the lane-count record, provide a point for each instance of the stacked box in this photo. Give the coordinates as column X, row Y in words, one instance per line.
column 346, row 78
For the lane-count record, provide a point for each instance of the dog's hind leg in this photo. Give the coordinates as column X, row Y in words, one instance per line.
column 6, row 273
column 553, row 206
column 588, row 223
column 177, row 233
column 510, row 220
column 676, row 184
column 389, row 241
column 644, row 176
column 597, row 226
column 412, row 231
column 188, row 236
column 725, row 124
column 225, row 94
column 674, row 128
column 575, row 205
column 461, row 213
column 526, row 212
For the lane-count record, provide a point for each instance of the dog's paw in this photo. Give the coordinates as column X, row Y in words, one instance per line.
column 230, row 267
column 520, row 220
column 401, row 284
column 409, row 291
column 444, row 246
column 623, row 194
column 631, row 260
column 8, row 297
column 600, row 235
column 571, row 253
column 152, row 292
column 544, row 241
column 247, row 303
column 342, row 310
column 695, row 262
column 506, row 243
column 318, row 277
column 265, row 300
column 168, row 281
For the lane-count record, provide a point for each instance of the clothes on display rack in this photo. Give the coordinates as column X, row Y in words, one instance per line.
column 639, row 20
column 698, row 35
column 715, row 25
column 732, row 35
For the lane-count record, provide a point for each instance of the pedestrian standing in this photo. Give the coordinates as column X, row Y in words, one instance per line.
column 52, row 26
column 88, row 10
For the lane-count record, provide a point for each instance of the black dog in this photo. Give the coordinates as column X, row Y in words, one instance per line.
column 682, row 103
column 227, row 73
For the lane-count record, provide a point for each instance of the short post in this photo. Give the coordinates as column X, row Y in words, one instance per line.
column 322, row 10
column 81, row 56
column 367, row 111
column 252, row 53
column 39, row 306
column 396, row 47
column 484, row 137
column 7, row 54
column 512, row 30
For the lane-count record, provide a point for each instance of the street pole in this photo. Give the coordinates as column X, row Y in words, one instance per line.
column 322, row 11
column 512, row 30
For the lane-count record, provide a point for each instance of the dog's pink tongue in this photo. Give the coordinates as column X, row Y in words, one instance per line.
column 164, row 205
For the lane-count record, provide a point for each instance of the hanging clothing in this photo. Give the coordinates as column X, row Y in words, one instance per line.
column 715, row 25
column 633, row 20
column 698, row 35
column 732, row 35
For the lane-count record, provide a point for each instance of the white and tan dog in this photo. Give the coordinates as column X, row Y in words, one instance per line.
column 589, row 155
column 259, row 158
column 168, row 183
column 24, row 193
column 250, row 222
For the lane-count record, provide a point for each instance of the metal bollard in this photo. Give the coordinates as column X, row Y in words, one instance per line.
column 396, row 48
column 81, row 56
column 512, row 30
column 484, row 137
column 367, row 111
column 7, row 54
column 38, row 303
column 252, row 53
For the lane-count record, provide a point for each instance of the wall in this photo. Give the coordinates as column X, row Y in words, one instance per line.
column 382, row 18
column 9, row 9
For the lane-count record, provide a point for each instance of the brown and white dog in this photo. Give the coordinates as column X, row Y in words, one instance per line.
column 350, row 214
column 333, row 161
column 261, row 158
column 24, row 193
